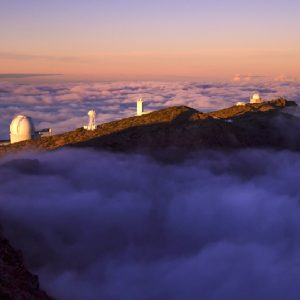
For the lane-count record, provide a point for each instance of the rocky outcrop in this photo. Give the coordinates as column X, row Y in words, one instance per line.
column 16, row 283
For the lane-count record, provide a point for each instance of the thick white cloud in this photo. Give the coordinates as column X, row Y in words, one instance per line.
column 103, row 226
column 63, row 106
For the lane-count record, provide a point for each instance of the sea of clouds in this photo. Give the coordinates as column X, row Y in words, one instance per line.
column 95, row 225
column 63, row 106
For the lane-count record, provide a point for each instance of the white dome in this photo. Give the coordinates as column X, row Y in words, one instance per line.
column 256, row 97
column 21, row 129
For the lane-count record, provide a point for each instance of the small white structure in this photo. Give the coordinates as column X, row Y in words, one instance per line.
column 21, row 129
column 139, row 107
column 256, row 98
column 241, row 103
column 92, row 121
column 44, row 132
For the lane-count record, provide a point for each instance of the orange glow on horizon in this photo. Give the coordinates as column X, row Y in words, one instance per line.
column 205, row 64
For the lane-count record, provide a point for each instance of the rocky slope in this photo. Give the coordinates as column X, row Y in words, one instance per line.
column 253, row 125
column 16, row 283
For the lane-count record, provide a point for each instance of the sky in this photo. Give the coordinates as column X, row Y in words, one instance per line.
column 131, row 39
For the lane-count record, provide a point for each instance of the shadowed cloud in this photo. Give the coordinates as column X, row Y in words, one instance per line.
column 102, row 226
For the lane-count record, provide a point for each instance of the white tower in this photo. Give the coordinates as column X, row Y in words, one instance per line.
column 139, row 107
column 21, row 129
column 92, row 120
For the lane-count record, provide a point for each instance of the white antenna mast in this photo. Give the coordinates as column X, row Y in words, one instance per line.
column 139, row 107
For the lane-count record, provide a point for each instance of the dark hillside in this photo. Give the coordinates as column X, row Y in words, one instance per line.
column 253, row 125
column 16, row 283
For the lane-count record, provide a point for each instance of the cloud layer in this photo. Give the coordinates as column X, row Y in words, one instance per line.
column 63, row 106
column 103, row 226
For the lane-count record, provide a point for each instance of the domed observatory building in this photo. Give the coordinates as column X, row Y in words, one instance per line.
column 21, row 129
column 256, row 98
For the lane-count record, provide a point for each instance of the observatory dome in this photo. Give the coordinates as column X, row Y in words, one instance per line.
column 21, row 129
column 256, row 98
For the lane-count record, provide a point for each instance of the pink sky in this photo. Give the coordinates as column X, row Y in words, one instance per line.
column 161, row 39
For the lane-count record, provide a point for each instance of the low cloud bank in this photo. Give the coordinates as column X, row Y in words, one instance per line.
column 103, row 226
column 63, row 106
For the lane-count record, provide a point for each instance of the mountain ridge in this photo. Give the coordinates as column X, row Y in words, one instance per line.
column 252, row 125
column 179, row 127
